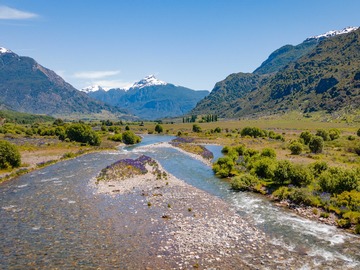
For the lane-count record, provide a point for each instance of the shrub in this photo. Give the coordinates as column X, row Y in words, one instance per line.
column 348, row 199
column 217, row 130
column 196, row 128
column 264, row 167
column 323, row 134
column 334, row 134
column 306, row 136
column 283, row 171
column 296, row 148
column 9, row 155
column 252, row 132
column 129, row 137
column 82, row 133
column 337, row 180
column 357, row 229
column 159, row 128
column 301, row 196
column 343, row 223
column 316, row 144
column 318, row 167
column 127, row 128
column 358, row 132
column 223, row 166
column 354, row 217
column 351, row 138
column 300, row 175
column 244, row 182
column 281, row 193
column 116, row 138
column 268, row 152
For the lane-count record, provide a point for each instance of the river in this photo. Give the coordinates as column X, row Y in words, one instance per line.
column 52, row 218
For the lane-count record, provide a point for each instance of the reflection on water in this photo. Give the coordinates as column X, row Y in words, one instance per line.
column 51, row 218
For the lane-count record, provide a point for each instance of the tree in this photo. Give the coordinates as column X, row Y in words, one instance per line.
column 306, row 136
column 196, row 128
column 127, row 128
column 323, row 134
column 129, row 137
column 296, row 148
column 316, row 144
column 9, row 155
column 82, row 133
column 158, row 128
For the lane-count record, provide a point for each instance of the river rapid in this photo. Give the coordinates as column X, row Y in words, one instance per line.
column 52, row 218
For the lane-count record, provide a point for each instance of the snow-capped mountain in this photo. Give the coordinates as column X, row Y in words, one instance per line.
column 148, row 81
column 334, row 33
column 4, row 50
column 92, row 88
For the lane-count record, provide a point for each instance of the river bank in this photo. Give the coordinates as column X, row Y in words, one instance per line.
column 197, row 230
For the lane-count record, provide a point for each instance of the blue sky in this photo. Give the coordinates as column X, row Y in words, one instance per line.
column 193, row 43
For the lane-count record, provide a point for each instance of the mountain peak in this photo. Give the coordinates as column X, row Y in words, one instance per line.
column 150, row 80
column 334, row 33
column 4, row 50
column 92, row 88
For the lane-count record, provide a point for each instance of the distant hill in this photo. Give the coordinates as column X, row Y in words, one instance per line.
column 23, row 118
column 150, row 98
column 26, row 86
column 323, row 75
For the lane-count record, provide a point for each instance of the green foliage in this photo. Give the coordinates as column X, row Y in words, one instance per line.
column 318, row 167
column 323, row 134
column 129, row 137
column 282, row 193
column 349, row 200
column 268, row 152
column 224, row 166
column 316, row 144
column 334, row 134
column 159, row 128
column 196, row 128
column 351, row 138
column 127, row 128
column 244, row 182
column 358, row 132
column 301, row 196
column 116, row 138
column 9, row 155
column 264, row 167
column 301, row 175
column 357, row 229
column 252, row 132
column 82, row 133
column 336, row 180
column 343, row 223
column 283, row 172
column 296, row 148
column 217, row 130
column 306, row 136
column 24, row 118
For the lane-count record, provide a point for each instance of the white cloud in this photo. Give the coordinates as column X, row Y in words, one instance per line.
column 7, row 13
column 96, row 74
column 109, row 84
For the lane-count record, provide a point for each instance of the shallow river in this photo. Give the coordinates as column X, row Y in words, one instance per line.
column 52, row 218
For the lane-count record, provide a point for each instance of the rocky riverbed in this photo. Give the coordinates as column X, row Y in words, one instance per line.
column 193, row 229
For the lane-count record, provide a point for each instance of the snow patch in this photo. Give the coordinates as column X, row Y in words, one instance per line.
column 4, row 50
column 333, row 33
column 92, row 88
column 148, row 81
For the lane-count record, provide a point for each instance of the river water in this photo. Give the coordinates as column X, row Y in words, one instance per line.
column 52, row 218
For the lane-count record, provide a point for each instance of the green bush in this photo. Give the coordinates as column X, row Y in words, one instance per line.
column 318, row 167
column 116, row 138
column 281, row 193
column 353, row 216
column 300, row 175
column 357, row 229
column 9, row 155
column 129, row 137
column 306, row 136
column 296, row 148
column 358, row 132
column 301, row 196
column 336, row 180
column 283, row 172
column 351, row 138
column 159, row 128
column 224, row 166
column 82, row 133
column 196, row 128
column 343, row 223
column 316, row 144
column 323, row 134
column 348, row 199
column 264, row 167
column 244, row 182
column 268, row 152
column 334, row 134
column 252, row 132
column 217, row 130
